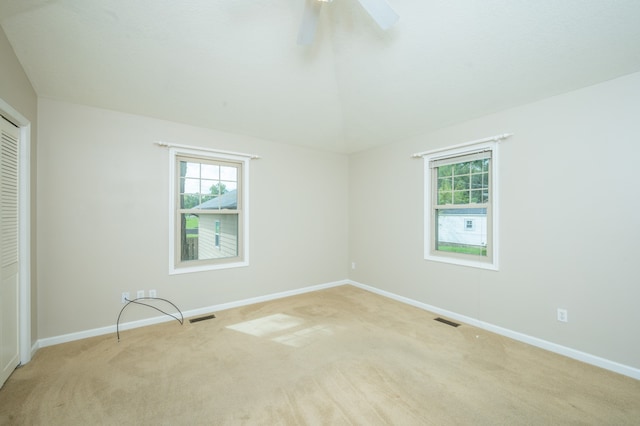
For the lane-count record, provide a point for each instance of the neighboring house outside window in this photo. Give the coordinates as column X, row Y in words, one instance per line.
column 217, row 229
column 209, row 215
column 460, row 210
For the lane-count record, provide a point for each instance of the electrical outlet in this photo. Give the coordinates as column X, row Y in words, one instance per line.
column 140, row 294
column 153, row 293
column 353, row 265
column 125, row 296
column 563, row 315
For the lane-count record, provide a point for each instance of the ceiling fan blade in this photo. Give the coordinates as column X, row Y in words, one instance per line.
column 381, row 12
column 309, row 22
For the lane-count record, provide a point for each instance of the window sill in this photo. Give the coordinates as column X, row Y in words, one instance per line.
column 202, row 268
column 462, row 262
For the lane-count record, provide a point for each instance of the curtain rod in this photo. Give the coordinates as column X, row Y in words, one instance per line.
column 217, row 151
column 489, row 139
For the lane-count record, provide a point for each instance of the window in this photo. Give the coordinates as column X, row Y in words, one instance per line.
column 460, row 224
column 208, row 211
column 469, row 224
column 217, row 242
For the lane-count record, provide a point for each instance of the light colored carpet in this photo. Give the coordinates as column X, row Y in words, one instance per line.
column 341, row 356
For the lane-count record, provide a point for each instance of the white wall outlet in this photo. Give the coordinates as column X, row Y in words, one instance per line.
column 125, row 296
column 353, row 265
column 563, row 315
column 140, row 294
column 153, row 293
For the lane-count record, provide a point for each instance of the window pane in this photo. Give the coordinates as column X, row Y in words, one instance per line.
column 189, row 169
column 201, row 185
column 476, row 166
column 445, row 197
column 229, row 173
column 445, row 184
column 209, row 236
column 461, row 168
column 208, row 186
column 191, row 186
column 189, row 201
column 189, row 237
column 476, row 196
column 204, row 199
column 480, row 181
column 461, row 182
column 210, row 171
column 226, row 201
column 461, row 231
column 229, row 186
column 445, row 171
column 461, row 197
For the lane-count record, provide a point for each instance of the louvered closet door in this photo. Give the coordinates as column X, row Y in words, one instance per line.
column 9, row 337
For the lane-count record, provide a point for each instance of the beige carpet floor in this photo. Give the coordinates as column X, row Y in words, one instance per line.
column 341, row 356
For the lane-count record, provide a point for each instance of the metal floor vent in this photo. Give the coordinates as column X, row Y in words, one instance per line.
column 444, row 321
column 208, row 317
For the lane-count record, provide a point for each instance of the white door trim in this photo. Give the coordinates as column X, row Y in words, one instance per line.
column 24, row 228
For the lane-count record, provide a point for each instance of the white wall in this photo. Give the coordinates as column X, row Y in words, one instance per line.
column 572, row 164
column 103, row 218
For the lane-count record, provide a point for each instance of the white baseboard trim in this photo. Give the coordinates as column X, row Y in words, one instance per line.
column 534, row 341
column 34, row 348
column 50, row 341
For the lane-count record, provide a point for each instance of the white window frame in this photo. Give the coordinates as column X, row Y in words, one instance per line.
column 491, row 262
column 179, row 151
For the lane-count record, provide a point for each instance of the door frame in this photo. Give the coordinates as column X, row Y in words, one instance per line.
column 24, row 230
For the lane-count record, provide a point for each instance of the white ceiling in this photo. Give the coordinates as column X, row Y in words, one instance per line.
column 234, row 65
